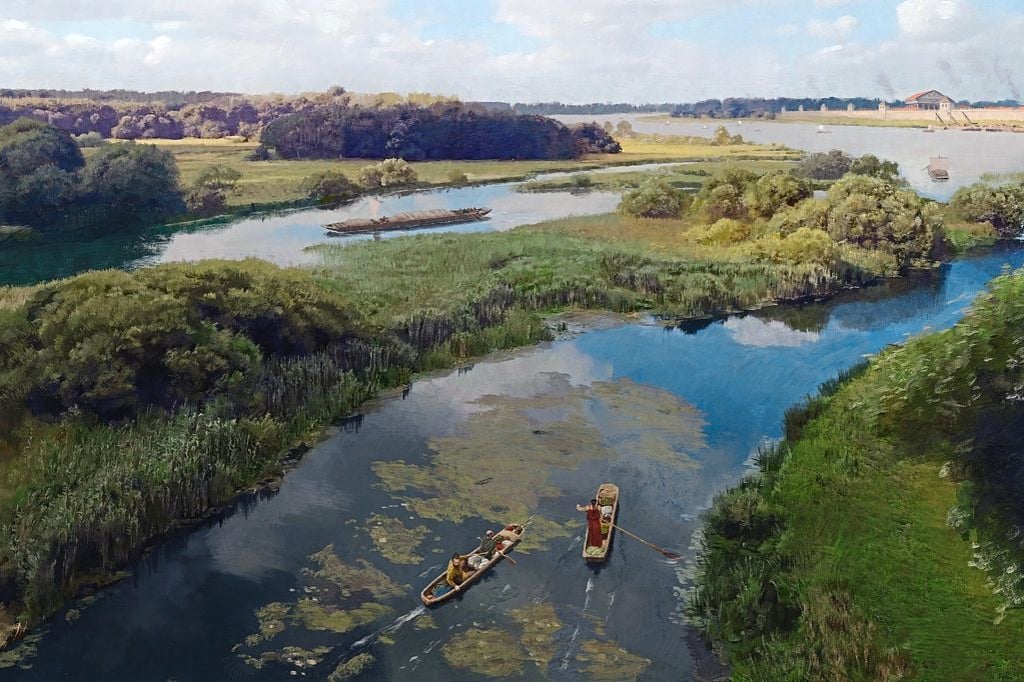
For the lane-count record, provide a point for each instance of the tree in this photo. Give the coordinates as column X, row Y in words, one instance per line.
column 133, row 181
column 654, row 199
column 388, row 173
column 1002, row 207
column 37, row 172
column 590, row 138
column 825, row 166
column 329, row 187
column 723, row 138
column 624, row 129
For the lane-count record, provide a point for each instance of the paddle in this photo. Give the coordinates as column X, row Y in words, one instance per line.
column 668, row 554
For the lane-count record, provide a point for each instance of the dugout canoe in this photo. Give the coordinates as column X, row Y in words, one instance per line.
column 428, row 595
column 408, row 221
column 607, row 496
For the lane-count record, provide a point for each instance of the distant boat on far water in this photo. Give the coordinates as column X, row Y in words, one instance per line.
column 822, row 129
column 938, row 168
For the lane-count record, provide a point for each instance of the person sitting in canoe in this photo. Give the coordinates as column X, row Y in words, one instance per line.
column 456, row 571
column 488, row 544
column 594, row 538
column 507, row 535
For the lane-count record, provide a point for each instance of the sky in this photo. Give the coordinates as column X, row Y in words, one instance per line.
column 522, row 50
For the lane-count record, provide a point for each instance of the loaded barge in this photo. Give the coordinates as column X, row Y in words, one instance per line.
column 408, row 221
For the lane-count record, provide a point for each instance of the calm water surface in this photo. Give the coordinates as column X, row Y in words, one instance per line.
column 671, row 415
column 971, row 154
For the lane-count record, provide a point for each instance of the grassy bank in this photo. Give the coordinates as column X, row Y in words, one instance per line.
column 278, row 182
column 878, row 540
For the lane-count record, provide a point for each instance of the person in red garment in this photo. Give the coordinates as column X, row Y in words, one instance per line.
column 594, row 538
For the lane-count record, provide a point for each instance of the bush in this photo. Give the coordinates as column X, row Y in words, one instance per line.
column 722, row 138
column 1002, row 207
column 113, row 344
column 654, row 199
column 808, row 213
column 388, row 173
column 456, row 177
column 261, row 153
column 90, row 140
column 775, row 191
column 329, row 187
column 805, row 245
column 825, row 165
column 725, row 231
column 724, row 201
column 205, row 202
column 219, row 178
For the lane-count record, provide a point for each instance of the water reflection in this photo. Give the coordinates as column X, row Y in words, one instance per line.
column 593, row 397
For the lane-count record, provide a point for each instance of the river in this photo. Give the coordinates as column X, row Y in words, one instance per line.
column 970, row 154
column 283, row 237
column 292, row 584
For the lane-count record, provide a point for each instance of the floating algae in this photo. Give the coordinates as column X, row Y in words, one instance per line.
column 425, row 622
column 494, row 653
column 315, row 612
column 604, row 661
column 499, row 465
column 21, row 655
column 539, row 623
column 316, row 616
column 271, row 618
column 351, row 579
column 394, row 541
column 292, row 655
column 352, row 667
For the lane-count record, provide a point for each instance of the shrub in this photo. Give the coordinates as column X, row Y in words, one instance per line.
column 388, row 173
column 805, row 245
column 654, row 199
column 825, row 165
column 113, row 344
column 329, row 186
column 456, row 177
column 724, row 201
column 810, row 213
column 90, row 140
column 775, row 191
column 205, row 202
column 723, row 232
column 261, row 153
column 1002, row 207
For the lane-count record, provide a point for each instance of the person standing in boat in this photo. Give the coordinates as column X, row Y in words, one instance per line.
column 594, row 538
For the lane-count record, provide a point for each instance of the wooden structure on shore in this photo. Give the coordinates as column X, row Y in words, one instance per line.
column 408, row 221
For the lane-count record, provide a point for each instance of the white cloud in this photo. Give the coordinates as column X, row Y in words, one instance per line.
column 837, row 30
column 935, row 19
column 581, row 50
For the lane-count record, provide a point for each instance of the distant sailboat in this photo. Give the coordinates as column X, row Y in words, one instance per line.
column 821, row 129
column 929, row 129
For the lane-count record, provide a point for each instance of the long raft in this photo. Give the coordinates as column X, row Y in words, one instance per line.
column 408, row 221
column 438, row 591
column 608, row 501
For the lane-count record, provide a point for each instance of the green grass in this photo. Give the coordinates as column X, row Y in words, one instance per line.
column 691, row 175
column 278, row 182
column 839, row 561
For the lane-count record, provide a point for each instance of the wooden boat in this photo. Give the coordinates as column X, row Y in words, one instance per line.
column 607, row 496
column 938, row 168
column 408, row 221
column 430, row 595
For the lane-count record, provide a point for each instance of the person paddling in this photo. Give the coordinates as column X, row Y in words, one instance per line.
column 594, row 537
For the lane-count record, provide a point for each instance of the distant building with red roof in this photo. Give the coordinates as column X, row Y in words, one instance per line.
column 929, row 100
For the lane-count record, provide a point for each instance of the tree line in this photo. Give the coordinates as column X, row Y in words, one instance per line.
column 130, row 115
column 441, row 131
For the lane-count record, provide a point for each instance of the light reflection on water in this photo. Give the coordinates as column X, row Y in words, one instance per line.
column 194, row 599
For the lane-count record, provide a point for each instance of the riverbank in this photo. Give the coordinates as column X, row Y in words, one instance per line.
column 880, row 535
column 276, row 183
